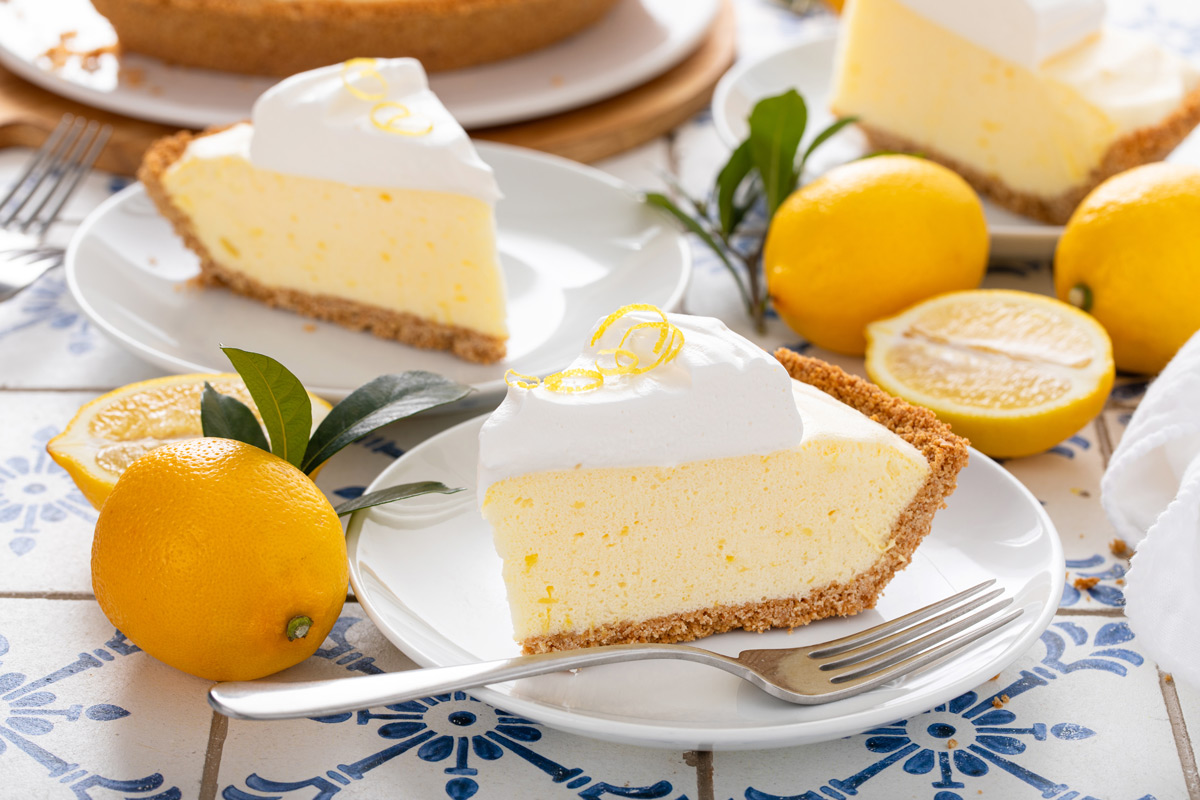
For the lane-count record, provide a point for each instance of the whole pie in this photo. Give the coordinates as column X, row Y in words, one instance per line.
column 283, row 37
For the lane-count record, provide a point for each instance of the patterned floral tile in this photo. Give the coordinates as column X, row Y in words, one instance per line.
column 450, row 746
column 642, row 168
column 1065, row 722
column 84, row 713
column 47, row 342
column 45, row 522
column 1066, row 480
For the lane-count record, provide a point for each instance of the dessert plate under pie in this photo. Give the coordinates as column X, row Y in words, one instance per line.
column 574, row 244
column 808, row 67
column 429, row 577
column 636, row 41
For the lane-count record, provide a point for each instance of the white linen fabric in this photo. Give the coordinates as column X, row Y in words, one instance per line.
column 1151, row 492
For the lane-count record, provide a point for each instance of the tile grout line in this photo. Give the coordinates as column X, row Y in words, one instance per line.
column 1183, row 743
column 702, row 761
column 212, row 756
column 1090, row 612
column 1103, row 439
column 47, row 596
column 57, row 389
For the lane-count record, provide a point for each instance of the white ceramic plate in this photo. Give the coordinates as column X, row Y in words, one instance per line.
column 637, row 41
column 574, row 242
column 808, row 66
column 427, row 574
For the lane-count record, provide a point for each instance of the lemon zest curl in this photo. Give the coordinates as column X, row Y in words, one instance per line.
column 395, row 123
column 363, row 68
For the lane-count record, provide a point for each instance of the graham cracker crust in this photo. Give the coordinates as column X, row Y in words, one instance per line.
column 277, row 37
column 946, row 454
column 403, row 327
column 1135, row 148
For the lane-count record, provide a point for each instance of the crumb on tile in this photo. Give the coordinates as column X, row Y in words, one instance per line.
column 951, row 744
column 557, row 80
column 1120, row 549
column 1080, row 492
column 1169, row 678
column 310, row 328
column 1119, row 581
column 1083, row 584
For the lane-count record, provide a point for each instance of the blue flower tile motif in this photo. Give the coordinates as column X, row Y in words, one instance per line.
column 973, row 736
column 31, row 708
column 47, row 304
column 1108, row 591
column 35, row 495
column 453, row 731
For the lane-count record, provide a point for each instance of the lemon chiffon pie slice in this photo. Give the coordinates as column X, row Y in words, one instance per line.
column 353, row 197
column 1034, row 102
column 677, row 481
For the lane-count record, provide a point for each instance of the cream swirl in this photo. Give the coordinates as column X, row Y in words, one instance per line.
column 720, row 396
column 316, row 125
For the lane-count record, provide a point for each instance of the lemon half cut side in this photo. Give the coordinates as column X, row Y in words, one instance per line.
column 1014, row 372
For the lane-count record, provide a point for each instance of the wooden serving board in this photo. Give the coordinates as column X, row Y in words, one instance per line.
column 29, row 113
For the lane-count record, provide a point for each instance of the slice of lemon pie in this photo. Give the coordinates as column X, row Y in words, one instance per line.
column 677, row 481
column 353, row 197
column 1034, row 102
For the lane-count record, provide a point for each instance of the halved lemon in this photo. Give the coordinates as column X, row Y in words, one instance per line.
column 1014, row 372
column 114, row 430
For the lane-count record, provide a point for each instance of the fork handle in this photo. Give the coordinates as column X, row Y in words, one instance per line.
column 289, row 700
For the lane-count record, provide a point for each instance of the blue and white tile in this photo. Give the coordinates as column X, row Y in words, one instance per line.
column 1066, row 480
column 450, row 746
column 46, row 523
column 46, row 342
column 84, row 713
column 1082, row 706
column 1189, row 705
column 642, row 168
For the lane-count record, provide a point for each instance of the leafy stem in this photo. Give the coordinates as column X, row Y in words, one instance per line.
column 286, row 411
column 760, row 173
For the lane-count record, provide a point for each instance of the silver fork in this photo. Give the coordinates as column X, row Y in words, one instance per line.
column 36, row 199
column 806, row 675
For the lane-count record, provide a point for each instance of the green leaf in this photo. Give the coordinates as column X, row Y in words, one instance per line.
column 282, row 403
column 229, row 418
column 373, row 405
column 728, row 180
column 776, row 128
column 664, row 202
column 824, row 136
column 392, row 494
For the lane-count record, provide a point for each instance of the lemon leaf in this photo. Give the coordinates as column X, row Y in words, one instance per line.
column 282, row 402
column 229, row 418
column 392, row 494
column 729, row 179
column 662, row 201
column 375, row 404
column 776, row 128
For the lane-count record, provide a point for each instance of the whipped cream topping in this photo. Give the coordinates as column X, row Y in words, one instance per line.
column 721, row 396
column 1023, row 31
column 312, row 125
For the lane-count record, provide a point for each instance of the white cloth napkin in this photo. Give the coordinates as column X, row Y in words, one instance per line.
column 1151, row 493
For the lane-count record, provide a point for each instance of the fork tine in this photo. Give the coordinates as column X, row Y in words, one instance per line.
column 56, row 159
column 848, row 672
column 850, row 685
column 855, row 640
column 87, row 155
column 42, row 153
column 859, row 654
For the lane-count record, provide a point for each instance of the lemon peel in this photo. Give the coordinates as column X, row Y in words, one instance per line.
column 558, row 381
column 395, row 123
column 521, row 380
column 363, row 68
column 666, row 348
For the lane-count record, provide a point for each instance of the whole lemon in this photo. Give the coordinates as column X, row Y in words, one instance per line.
column 867, row 240
column 219, row 559
column 1130, row 255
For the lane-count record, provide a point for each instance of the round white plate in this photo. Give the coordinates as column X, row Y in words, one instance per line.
column 808, row 67
column 428, row 575
column 574, row 243
column 637, row 41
